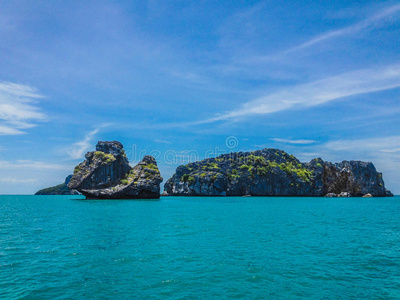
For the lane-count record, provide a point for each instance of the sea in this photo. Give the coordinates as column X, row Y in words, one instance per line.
column 65, row 247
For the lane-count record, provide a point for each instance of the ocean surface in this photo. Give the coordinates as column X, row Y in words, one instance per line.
column 63, row 247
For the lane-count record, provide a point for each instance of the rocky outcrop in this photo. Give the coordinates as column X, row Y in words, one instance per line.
column 61, row 189
column 355, row 177
column 341, row 195
column 273, row 172
column 367, row 195
column 106, row 174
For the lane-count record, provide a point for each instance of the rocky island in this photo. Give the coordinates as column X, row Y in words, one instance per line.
column 273, row 172
column 61, row 189
column 106, row 174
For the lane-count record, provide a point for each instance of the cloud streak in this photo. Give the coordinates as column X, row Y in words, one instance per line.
column 365, row 24
column 18, row 110
column 17, row 181
column 389, row 144
column 32, row 165
column 295, row 142
column 318, row 92
column 78, row 149
column 162, row 141
column 376, row 20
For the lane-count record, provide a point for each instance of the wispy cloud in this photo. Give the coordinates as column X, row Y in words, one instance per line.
column 18, row 108
column 7, row 130
column 389, row 144
column 393, row 150
column 318, row 92
column 376, row 20
column 78, row 149
column 296, row 57
column 368, row 23
column 296, row 142
column 32, row 165
column 162, row 142
column 16, row 180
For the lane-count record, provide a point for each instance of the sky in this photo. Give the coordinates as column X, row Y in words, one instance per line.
column 186, row 80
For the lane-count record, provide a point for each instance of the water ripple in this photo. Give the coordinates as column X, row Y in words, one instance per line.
column 198, row 248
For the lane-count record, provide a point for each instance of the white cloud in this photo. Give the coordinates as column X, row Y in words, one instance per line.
column 18, row 110
column 162, row 141
column 389, row 144
column 19, row 90
column 286, row 62
column 32, row 165
column 296, row 142
column 376, row 20
column 390, row 150
column 318, row 92
column 371, row 22
column 78, row 149
column 15, row 180
column 7, row 130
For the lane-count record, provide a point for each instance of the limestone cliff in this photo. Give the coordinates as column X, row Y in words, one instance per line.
column 273, row 172
column 106, row 174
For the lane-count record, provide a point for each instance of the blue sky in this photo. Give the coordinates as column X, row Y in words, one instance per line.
column 196, row 78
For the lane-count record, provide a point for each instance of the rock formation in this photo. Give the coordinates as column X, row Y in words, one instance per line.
column 356, row 177
column 61, row 189
column 106, row 174
column 273, row 172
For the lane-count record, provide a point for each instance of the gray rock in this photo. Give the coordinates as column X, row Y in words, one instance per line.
column 344, row 194
column 368, row 195
column 331, row 195
column 273, row 172
column 356, row 177
column 106, row 174
column 388, row 193
column 115, row 148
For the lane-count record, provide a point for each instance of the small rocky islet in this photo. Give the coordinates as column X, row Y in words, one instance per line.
column 106, row 174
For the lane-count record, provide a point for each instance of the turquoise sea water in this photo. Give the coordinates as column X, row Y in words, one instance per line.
column 59, row 247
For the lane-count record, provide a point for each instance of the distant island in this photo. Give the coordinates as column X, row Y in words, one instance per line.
column 106, row 174
column 273, row 172
column 61, row 189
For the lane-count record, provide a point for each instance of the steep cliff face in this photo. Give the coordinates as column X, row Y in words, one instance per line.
column 273, row 172
column 61, row 189
column 356, row 177
column 106, row 174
